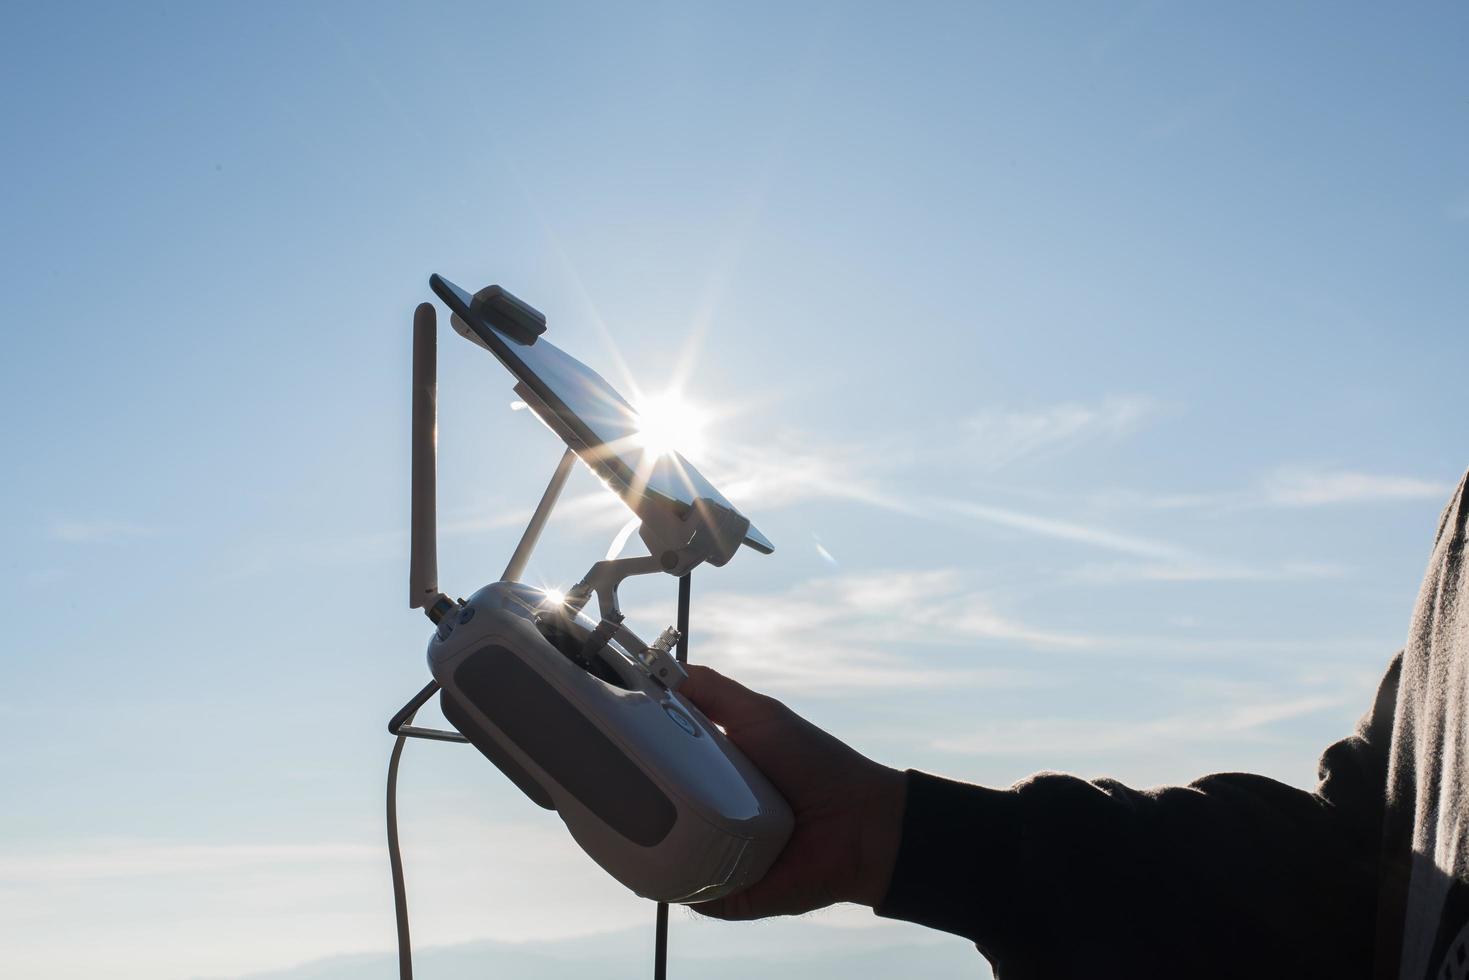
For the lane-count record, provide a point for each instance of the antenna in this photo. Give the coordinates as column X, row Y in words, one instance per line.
column 423, row 561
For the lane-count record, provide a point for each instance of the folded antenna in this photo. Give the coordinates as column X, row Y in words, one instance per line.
column 423, row 561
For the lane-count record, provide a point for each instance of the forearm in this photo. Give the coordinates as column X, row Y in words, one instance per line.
column 1061, row 877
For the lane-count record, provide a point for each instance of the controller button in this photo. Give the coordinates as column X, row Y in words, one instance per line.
column 682, row 720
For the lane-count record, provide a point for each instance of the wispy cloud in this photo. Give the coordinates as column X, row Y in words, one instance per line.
column 786, row 469
column 1189, row 569
column 98, row 860
column 1293, row 486
column 479, row 523
column 1072, row 736
column 1303, row 487
column 173, row 909
column 1048, row 527
column 601, row 505
column 92, row 532
column 999, row 437
column 852, row 632
column 312, row 899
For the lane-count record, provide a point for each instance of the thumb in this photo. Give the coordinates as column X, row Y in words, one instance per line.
column 726, row 701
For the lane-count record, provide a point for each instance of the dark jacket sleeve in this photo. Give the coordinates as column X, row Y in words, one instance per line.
column 1234, row 875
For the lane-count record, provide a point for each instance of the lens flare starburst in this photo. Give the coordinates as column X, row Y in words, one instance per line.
column 669, row 423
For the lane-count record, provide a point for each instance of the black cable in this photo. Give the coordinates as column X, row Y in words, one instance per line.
column 660, row 944
column 685, row 584
column 660, row 930
column 395, row 860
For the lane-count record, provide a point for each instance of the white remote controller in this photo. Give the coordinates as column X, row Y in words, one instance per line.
column 583, row 716
column 582, row 722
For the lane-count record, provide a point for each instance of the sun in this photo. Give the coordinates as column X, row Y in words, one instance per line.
column 668, row 423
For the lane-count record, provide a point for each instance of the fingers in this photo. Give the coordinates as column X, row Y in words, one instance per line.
column 732, row 908
column 723, row 700
column 779, row 893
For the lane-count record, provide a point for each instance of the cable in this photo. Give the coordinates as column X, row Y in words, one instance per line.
column 395, row 860
column 660, row 943
column 685, row 585
column 660, row 929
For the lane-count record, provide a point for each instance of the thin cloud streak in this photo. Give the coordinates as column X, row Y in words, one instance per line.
column 312, row 899
column 597, row 503
column 1190, row 570
column 130, row 859
column 1300, row 487
column 1069, row 736
column 785, row 471
column 843, row 634
column 1291, row 487
column 1063, row 530
column 999, row 438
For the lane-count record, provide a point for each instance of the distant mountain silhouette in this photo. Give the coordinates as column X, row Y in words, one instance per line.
column 627, row 955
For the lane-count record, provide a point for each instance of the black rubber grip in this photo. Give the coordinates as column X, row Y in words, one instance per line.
column 564, row 743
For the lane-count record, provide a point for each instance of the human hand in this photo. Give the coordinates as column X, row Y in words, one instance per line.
column 848, row 809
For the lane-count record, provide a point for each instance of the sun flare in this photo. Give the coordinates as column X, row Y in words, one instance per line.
column 668, row 423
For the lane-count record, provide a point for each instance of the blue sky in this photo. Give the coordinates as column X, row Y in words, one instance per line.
column 1096, row 370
